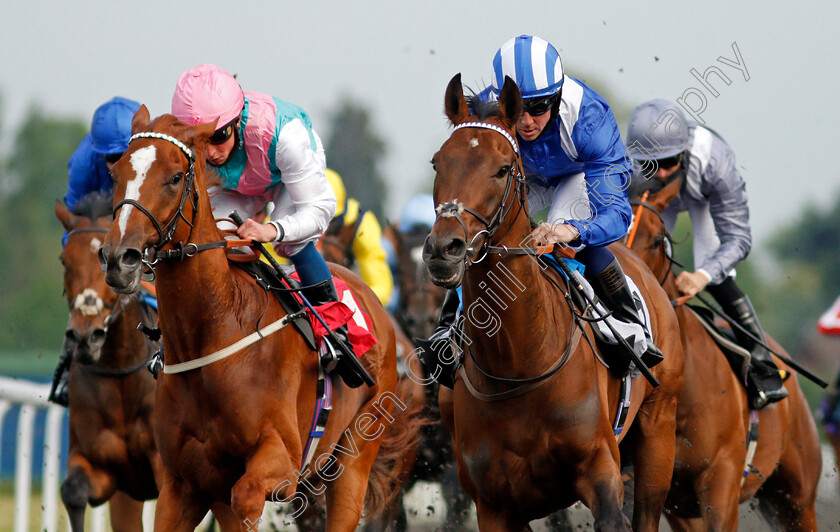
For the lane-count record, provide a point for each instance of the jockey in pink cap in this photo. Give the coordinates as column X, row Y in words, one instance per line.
column 265, row 150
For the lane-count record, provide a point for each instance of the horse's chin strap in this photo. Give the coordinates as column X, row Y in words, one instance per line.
column 188, row 190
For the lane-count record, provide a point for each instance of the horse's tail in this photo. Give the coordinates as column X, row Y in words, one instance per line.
column 398, row 448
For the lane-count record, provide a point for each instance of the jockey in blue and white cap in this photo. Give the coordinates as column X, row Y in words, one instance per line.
column 665, row 146
column 575, row 164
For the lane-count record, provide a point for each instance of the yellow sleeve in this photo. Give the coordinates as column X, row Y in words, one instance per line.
column 367, row 246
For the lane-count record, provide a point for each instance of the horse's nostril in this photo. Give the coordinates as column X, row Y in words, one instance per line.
column 102, row 262
column 131, row 258
column 457, row 247
column 71, row 337
column 97, row 337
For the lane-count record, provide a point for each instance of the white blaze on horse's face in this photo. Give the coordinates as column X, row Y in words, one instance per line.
column 141, row 161
column 95, row 244
column 474, row 142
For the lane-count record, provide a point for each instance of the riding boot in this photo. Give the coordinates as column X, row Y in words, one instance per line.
column 61, row 378
column 764, row 380
column 610, row 286
column 436, row 354
column 335, row 357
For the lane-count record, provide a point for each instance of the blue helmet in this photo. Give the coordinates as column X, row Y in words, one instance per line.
column 419, row 211
column 110, row 128
column 533, row 63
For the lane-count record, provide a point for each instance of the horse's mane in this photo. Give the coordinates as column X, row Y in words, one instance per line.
column 95, row 204
column 483, row 109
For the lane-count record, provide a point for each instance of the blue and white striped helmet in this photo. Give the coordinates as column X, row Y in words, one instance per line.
column 533, row 63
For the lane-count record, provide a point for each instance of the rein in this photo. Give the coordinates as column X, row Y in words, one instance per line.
column 453, row 209
column 666, row 236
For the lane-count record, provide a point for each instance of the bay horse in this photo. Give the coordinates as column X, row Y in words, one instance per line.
column 416, row 315
column 713, row 418
column 531, row 413
column 112, row 455
column 232, row 433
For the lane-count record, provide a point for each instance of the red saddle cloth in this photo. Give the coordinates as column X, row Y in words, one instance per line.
column 344, row 311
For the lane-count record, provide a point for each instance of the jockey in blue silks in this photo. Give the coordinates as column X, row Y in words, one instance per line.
column 89, row 166
column 575, row 164
column 89, row 171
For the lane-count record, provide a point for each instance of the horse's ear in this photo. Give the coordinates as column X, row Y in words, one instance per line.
column 393, row 235
column 202, row 132
column 64, row 216
column 661, row 199
column 454, row 102
column 510, row 103
column 141, row 120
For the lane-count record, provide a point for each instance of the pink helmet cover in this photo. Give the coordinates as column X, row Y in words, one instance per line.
column 206, row 93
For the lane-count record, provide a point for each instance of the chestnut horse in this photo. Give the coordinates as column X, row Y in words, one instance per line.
column 111, row 395
column 417, row 308
column 232, row 433
column 531, row 414
column 713, row 419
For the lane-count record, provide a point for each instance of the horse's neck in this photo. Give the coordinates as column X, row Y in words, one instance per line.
column 512, row 312
column 198, row 294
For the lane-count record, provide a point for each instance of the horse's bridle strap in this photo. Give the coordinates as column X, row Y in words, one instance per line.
column 236, row 347
column 493, row 127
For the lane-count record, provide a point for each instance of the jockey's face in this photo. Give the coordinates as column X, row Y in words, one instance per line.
column 529, row 127
column 667, row 169
column 218, row 154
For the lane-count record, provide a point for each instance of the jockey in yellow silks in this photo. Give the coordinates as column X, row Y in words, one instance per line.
column 367, row 242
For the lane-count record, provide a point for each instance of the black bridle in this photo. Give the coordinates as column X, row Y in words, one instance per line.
column 152, row 254
column 515, row 182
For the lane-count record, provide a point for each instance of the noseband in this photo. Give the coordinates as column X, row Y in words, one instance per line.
column 166, row 232
column 515, row 180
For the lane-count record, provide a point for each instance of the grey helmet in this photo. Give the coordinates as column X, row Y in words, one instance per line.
column 658, row 130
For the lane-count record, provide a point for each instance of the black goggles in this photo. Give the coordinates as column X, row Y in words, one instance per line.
column 539, row 106
column 650, row 167
column 112, row 158
column 222, row 134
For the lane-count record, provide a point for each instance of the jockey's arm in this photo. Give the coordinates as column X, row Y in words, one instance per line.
column 367, row 247
column 302, row 169
column 730, row 214
column 607, row 169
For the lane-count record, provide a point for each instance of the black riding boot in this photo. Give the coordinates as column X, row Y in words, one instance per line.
column 61, row 378
column 610, row 286
column 764, row 381
column 337, row 360
column 436, row 354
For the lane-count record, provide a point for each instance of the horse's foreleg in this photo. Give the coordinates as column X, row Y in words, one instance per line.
column 84, row 484
column 653, row 440
column 718, row 490
column 492, row 518
column 268, row 476
column 126, row 513
column 598, row 484
column 346, row 491
column 179, row 508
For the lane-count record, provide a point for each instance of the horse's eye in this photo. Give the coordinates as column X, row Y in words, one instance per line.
column 434, row 166
column 176, row 178
column 503, row 171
